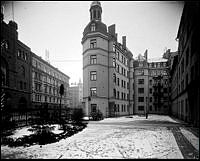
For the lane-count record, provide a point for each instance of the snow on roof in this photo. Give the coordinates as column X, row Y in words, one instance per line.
column 157, row 60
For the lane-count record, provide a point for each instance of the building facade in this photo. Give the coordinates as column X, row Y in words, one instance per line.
column 46, row 82
column 15, row 70
column 107, row 73
column 185, row 71
column 76, row 95
column 151, row 85
column 27, row 81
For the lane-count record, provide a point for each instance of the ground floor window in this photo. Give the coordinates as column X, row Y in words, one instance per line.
column 93, row 107
column 141, row 108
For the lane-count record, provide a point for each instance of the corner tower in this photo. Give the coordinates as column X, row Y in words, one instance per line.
column 95, row 44
column 105, row 68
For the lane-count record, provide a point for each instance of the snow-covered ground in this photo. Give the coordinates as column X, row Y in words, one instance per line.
column 99, row 140
column 151, row 117
column 20, row 132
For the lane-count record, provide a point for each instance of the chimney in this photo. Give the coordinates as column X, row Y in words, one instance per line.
column 124, row 41
column 116, row 36
column 111, row 30
column 146, row 54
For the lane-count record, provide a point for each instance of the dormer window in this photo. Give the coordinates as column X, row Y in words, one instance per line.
column 93, row 27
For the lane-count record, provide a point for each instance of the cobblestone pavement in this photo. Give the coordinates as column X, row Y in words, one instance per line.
column 115, row 138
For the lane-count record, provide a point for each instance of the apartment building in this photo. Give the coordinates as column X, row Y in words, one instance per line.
column 46, row 81
column 15, row 70
column 185, row 71
column 151, row 85
column 107, row 68
column 76, row 95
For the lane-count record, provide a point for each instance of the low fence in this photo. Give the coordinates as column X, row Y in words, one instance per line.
column 12, row 119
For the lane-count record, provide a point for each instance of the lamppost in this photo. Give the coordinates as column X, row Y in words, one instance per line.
column 61, row 93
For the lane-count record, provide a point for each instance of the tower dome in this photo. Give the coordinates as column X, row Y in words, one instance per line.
column 95, row 3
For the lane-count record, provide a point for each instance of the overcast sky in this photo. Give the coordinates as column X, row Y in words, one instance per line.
column 58, row 27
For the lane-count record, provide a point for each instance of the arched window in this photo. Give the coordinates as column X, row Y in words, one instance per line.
column 4, row 45
column 4, row 73
column 98, row 14
column 93, row 27
column 94, row 14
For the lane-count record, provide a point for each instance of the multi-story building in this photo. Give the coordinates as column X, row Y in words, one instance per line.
column 76, row 95
column 159, row 86
column 151, row 85
column 141, row 84
column 28, row 82
column 185, row 71
column 46, row 81
column 15, row 70
column 107, row 68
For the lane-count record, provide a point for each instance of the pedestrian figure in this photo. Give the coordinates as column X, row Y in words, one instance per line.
column 146, row 115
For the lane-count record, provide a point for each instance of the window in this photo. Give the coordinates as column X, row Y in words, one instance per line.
column 4, row 73
column 93, row 91
column 94, row 13
column 114, row 77
column 118, row 108
column 114, row 62
column 150, row 108
column 4, row 45
column 150, row 90
column 140, row 99
column 140, row 81
column 117, row 66
column 93, row 107
column 141, row 108
column 117, row 94
column 93, row 27
column 93, row 76
column 93, row 43
column 140, row 90
column 118, row 55
column 118, row 81
column 93, row 59
column 98, row 14
column 23, row 71
column 150, row 82
column 114, row 93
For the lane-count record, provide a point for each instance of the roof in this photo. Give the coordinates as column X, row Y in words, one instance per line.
column 155, row 60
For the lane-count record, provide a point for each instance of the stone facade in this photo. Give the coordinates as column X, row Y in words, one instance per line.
column 106, row 68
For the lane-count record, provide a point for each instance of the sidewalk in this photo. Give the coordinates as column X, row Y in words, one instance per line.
column 187, row 126
column 187, row 138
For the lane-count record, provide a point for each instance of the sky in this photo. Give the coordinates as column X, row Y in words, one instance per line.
column 58, row 27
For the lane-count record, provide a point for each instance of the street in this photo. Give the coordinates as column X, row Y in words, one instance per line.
column 134, row 136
